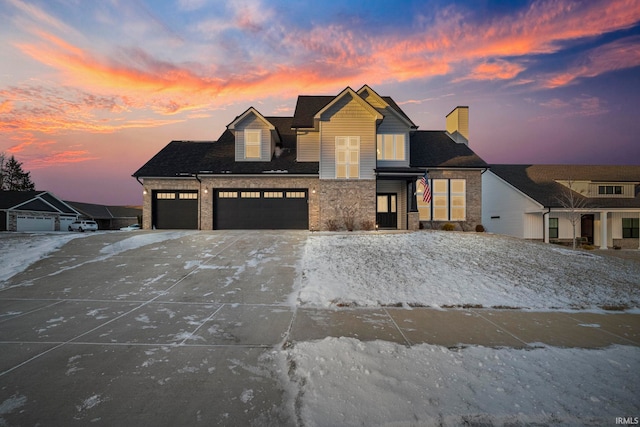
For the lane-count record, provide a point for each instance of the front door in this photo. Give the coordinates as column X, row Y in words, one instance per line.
column 387, row 211
column 586, row 225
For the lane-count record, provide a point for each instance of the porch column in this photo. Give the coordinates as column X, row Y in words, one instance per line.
column 545, row 232
column 603, row 229
column 413, row 203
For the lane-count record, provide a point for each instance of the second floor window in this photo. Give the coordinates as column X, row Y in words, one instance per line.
column 252, row 139
column 610, row 189
column 347, row 157
column 390, row 147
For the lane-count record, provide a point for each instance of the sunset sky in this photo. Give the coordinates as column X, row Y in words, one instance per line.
column 91, row 90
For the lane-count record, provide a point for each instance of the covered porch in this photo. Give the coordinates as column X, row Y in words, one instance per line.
column 396, row 204
column 602, row 228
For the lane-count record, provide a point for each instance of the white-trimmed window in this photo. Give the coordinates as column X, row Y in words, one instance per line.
column 390, row 146
column 347, row 157
column 252, row 138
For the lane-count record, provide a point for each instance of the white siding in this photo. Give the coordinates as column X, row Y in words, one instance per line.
column 501, row 200
column 266, row 145
column 308, row 149
column 347, row 118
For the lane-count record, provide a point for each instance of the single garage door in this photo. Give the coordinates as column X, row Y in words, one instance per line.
column 35, row 223
column 261, row 209
column 175, row 209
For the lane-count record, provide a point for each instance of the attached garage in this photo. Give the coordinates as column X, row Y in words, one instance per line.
column 35, row 223
column 175, row 209
column 257, row 209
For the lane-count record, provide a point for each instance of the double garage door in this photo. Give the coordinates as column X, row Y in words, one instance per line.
column 234, row 209
column 261, row 209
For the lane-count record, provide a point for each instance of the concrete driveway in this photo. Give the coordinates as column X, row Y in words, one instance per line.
column 148, row 329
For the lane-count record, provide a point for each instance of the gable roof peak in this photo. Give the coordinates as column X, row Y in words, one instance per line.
column 249, row 111
column 348, row 91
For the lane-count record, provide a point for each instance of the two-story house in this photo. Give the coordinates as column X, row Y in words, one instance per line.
column 546, row 202
column 353, row 160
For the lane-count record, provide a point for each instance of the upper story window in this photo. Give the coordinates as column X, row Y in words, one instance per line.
column 610, row 189
column 347, row 156
column 391, row 147
column 252, row 138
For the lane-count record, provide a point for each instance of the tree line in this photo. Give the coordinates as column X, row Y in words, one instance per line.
column 12, row 176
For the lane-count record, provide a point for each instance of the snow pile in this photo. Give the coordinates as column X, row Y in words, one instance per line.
column 343, row 381
column 438, row 268
column 19, row 251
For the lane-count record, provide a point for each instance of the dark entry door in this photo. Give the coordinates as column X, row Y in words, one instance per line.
column 387, row 211
column 586, row 225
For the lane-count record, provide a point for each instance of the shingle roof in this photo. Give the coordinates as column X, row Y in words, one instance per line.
column 539, row 181
column 217, row 157
column 96, row 211
column 306, row 108
column 436, row 149
column 41, row 201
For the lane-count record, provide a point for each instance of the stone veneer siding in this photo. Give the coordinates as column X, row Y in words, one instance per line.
column 340, row 198
column 474, row 197
column 216, row 183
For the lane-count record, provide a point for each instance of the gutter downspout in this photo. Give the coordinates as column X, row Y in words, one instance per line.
column 199, row 201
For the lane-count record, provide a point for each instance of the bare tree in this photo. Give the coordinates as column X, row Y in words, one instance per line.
column 574, row 203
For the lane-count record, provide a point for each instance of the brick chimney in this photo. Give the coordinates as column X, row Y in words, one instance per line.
column 458, row 124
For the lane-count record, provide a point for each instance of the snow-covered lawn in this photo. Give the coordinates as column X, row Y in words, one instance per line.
column 346, row 382
column 440, row 269
column 19, row 250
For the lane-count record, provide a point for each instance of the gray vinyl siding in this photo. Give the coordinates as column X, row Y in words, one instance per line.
column 308, row 146
column 392, row 124
column 400, row 189
column 347, row 118
column 266, row 143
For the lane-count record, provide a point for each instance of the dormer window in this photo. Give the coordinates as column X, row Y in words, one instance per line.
column 610, row 189
column 252, row 138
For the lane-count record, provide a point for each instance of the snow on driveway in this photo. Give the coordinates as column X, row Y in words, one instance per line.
column 438, row 268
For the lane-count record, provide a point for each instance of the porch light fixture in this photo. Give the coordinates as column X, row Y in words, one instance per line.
column 144, row 191
column 206, row 190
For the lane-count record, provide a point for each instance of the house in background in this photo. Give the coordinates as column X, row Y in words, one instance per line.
column 109, row 217
column 34, row 211
column 527, row 201
column 354, row 159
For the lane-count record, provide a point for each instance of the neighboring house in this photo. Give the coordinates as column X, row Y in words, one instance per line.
column 34, row 211
column 351, row 158
column 109, row 217
column 530, row 201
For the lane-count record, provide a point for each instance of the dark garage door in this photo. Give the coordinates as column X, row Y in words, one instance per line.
column 173, row 209
column 261, row 209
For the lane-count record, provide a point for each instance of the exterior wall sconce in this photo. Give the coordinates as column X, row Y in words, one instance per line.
column 144, row 192
column 206, row 190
